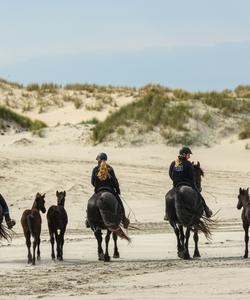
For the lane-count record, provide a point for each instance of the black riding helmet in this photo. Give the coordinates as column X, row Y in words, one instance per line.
column 102, row 156
column 185, row 150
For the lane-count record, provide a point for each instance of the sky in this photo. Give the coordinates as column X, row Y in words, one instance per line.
column 198, row 45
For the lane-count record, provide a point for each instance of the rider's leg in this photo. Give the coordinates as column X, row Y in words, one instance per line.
column 10, row 223
column 207, row 210
column 125, row 220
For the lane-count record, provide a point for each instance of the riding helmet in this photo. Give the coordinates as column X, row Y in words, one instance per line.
column 102, row 156
column 185, row 150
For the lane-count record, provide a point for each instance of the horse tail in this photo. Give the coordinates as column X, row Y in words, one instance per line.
column 30, row 224
column 192, row 217
column 5, row 233
column 120, row 233
column 205, row 225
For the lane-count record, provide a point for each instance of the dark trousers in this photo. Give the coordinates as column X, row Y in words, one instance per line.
column 4, row 205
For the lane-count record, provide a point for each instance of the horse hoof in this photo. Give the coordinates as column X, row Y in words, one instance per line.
column 186, row 257
column 196, row 255
column 106, row 258
column 116, row 255
column 180, row 254
column 100, row 256
column 245, row 256
column 38, row 257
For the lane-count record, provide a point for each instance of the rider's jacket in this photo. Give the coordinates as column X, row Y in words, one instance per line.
column 111, row 183
column 182, row 173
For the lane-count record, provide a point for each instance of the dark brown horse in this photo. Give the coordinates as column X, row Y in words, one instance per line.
column 4, row 231
column 57, row 221
column 244, row 201
column 31, row 222
column 104, row 212
column 184, row 208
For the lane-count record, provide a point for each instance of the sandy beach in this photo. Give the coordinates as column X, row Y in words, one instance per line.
column 148, row 268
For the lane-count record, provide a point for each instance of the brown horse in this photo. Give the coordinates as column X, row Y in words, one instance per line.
column 244, row 201
column 31, row 222
column 57, row 220
column 4, row 231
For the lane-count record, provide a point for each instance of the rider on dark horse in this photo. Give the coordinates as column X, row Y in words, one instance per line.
column 10, row 222
column 103, row 178
column 182, row 173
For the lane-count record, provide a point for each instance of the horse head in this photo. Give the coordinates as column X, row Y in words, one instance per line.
column 39, row 202
column 243, row 197
column 198, row 173
column 60, row 198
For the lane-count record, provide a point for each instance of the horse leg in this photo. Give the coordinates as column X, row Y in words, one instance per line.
column 179, row 245
column 52, row 242
column 116, row 252
column 246, row 226
column 186, row 251
column 196, row 240
column 57, row 245
column 98, row 236
column 34, row 250
column 107, row 238
column 38, row 248
column 61, row 236
column 28, row 244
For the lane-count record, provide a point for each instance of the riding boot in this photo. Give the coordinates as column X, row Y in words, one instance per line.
column 87, row 223
column 10, row 222
column 125, row 220
column 207, row 210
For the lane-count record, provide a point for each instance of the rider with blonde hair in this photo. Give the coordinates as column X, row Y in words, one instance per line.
column 182, row 173
column 103, row 178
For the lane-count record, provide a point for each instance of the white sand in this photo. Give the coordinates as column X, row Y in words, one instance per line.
column 148, row 267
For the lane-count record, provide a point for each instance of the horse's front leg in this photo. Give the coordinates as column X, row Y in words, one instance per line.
column 186, row 251
column 246, row 227
column 107, row 238
column 58, row 254
column 61, row 243
column 116, row 252
column 196, row 240
column 98, row 236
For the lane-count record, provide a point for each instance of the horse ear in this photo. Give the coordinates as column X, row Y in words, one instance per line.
column 240, row 190
column 64, row 193
column 57, row 193
column 37, row 194
column 44, row 195
column 198, row 164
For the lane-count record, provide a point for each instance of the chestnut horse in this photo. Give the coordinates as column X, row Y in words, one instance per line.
column 32, row 222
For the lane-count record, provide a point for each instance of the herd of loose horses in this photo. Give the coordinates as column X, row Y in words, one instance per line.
column 183, row 210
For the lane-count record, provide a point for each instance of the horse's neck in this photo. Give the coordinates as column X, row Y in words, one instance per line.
column 34, row 206
column 245, row 202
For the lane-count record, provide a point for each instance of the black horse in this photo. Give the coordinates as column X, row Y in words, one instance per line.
column 104, row 212
column 184, row 208
column 57, row 222
column 4, row 231
column 244, row 201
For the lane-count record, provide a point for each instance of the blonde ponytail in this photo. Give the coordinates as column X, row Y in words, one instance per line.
column 103, row 171
column 178, row 162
